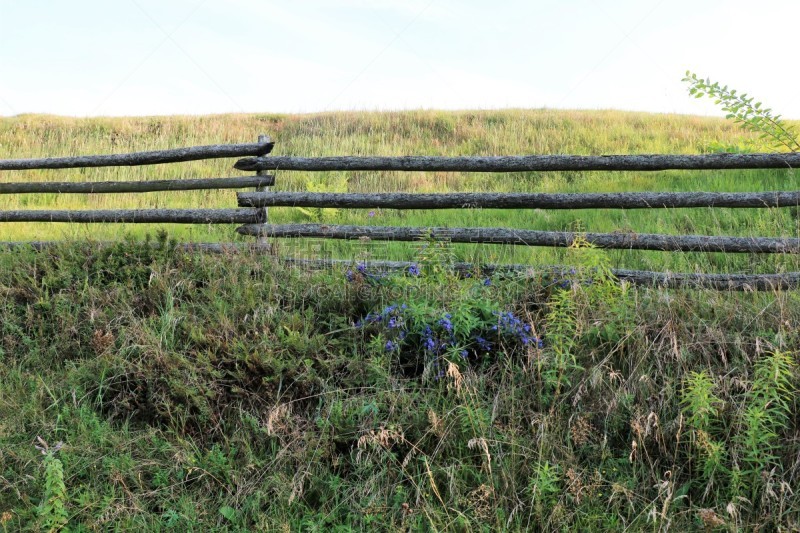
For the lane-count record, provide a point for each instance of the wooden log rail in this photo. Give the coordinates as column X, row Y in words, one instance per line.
column 138, row 216
column 136, row 186
column 156, row 157
column 522, row 200
column 531, row 163
column 621, row 241
column 672, row 280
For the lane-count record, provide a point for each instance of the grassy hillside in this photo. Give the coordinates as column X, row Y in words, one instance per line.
column 424, row 132
column 143, row 387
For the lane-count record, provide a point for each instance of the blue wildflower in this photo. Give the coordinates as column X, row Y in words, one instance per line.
column 487, row 282
column 413, row 270
column 483, row 344
column 390, row 346
column 429, row 344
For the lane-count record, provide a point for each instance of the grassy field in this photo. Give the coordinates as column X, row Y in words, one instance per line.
column 423, row 133
column 146, row 388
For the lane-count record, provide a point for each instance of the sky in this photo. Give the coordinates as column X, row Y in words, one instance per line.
column 164, row 57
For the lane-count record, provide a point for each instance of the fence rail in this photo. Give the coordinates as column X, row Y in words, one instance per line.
column 523, row 200
column 137, row 216
column 96, row 187
column 252, row 211
column 672, row 280
column 728, row 282
column 648, row 162
column 157, row 157
column 619, row 241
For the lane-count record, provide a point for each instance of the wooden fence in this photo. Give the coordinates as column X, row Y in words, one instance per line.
column 252, row 210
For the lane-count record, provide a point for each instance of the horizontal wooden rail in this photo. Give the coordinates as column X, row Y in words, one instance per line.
column 672, row 280
column 622, row 241
column 241, row 182
column 522, row 200
column 207, row 247
column 529, row 163
column 157, row 157
column 557, row 274
column 136, row 216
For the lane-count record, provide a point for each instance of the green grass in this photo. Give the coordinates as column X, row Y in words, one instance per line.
column 228, row 393
column 177, row 391
column 421, row 133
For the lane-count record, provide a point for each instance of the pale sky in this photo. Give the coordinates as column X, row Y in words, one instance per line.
column 163, row 57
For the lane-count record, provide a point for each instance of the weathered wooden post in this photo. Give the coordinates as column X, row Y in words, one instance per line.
column 264, row 213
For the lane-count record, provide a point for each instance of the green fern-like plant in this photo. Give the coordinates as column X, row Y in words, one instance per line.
column 742, row 110
column 700, row 403
column 52, row 510
column 591, row 285
column 767, row 411
column 701, row 407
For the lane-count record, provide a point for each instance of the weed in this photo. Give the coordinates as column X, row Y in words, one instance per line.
column 52, row 510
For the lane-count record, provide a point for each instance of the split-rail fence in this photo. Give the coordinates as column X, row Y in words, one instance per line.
column 252, row 212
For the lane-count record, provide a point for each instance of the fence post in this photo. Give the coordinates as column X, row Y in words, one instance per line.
column 264, row 213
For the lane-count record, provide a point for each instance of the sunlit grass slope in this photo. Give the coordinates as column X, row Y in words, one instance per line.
column 414, row 133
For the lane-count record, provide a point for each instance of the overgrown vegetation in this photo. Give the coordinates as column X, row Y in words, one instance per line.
column 143, row 387
column 233, row 393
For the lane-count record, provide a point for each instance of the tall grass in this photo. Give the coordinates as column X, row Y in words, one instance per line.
column 225, row 393
column 228, row 393
column 421, row 132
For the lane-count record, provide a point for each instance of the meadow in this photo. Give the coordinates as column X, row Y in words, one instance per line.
column 417, row 133
column 145, row 387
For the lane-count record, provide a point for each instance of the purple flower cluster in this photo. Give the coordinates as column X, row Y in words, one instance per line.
column 510, row 326
column 391, row 316
column 483, row 344
column 439, row 339
column 446, row 324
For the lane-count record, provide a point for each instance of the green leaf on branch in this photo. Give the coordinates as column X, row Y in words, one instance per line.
column 742, row 111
